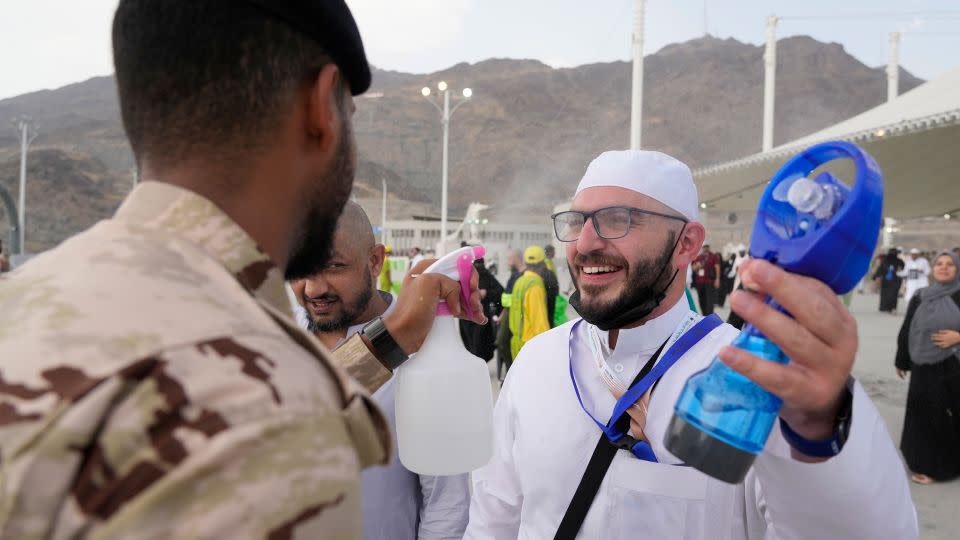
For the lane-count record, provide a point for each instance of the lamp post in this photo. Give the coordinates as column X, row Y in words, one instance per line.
column 27, row 132
column 445, row 113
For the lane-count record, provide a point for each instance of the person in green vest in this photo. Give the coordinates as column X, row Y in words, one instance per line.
column 549, row 275
column 528, row 302
column 384, row 280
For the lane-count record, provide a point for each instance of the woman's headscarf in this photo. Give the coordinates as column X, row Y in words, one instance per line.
column 937, row 311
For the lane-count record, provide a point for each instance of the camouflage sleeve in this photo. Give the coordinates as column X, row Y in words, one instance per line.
column 355, row 358
column 268, row 479
column 228, row 438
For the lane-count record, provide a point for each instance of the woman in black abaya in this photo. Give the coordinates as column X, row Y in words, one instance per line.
column 929, row 348
column 889, row 281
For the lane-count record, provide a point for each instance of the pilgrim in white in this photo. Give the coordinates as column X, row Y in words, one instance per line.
column 916, row 272
column 630, row 236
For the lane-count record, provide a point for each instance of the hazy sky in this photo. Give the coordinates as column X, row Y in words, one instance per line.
column 50, row 43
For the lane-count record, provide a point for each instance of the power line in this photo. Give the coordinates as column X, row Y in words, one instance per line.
column 930, row 33
column 875, row 15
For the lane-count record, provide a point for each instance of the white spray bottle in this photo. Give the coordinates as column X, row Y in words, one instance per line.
column 444, row 402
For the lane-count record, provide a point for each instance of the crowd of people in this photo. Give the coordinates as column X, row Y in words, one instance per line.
column 153, row 383
column 896, row 274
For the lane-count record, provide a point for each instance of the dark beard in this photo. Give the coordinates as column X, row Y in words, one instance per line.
column 647, row 279
column 312, row 247
column 351, row 312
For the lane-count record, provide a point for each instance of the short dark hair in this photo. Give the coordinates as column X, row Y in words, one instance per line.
column 206, row 75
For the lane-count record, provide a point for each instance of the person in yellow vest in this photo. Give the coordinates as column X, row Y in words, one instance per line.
column 528, row 302
column 384, row 281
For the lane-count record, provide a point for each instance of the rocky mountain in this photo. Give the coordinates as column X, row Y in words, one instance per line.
column 66, row 193
column 520, row 144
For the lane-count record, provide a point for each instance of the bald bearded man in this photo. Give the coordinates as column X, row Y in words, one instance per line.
column 630, row 235
column 338, row 302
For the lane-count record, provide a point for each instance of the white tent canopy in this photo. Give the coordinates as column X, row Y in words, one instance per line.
column 915, row 139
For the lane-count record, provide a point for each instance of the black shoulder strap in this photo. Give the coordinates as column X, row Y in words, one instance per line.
column 597, row 468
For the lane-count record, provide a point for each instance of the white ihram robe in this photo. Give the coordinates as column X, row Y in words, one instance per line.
column 915, row 271
column 543, row 441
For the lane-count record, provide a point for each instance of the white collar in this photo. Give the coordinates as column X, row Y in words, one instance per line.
column 648, row 337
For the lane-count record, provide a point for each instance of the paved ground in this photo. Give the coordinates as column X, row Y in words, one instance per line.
column 938, row 505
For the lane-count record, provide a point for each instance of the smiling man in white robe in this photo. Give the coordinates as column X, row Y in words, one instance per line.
column 630, row 236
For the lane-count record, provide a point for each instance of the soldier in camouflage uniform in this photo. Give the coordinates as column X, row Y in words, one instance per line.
column 152, row 383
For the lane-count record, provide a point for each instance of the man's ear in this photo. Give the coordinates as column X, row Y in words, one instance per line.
column 323, row 115
column 378, row 257
column 297, row 287
column 691, row 240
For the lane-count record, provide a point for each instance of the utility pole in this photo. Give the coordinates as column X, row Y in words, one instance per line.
column 27, row 131
column 636, row 105
column 893, row 67
column 769, row 81
column 706, row 26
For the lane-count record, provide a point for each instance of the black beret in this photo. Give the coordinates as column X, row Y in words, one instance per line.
column 329, row 23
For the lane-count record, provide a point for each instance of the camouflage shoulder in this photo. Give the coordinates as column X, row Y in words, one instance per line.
column 231, row 437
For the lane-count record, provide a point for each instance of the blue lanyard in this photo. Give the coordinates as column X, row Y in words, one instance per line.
column 622, row 439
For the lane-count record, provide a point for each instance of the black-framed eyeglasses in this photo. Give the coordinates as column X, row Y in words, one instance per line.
column 610, row 223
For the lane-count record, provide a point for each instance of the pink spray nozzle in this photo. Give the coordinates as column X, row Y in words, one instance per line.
column 465, row 268
column 464, row 265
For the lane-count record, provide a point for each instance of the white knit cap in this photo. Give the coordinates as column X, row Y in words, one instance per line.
column 650, row 173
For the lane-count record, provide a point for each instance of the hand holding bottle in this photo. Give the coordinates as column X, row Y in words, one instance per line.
column 417, row 303
column 821, row 342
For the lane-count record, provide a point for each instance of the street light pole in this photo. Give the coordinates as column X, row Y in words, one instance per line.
column 445, row 113
column 445, row 177
column 24, row 127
